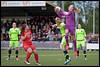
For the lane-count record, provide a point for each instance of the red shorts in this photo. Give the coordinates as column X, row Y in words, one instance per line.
column 29, row 46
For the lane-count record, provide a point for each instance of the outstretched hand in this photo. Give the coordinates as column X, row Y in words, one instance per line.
column 77, row 10
column 57, row 9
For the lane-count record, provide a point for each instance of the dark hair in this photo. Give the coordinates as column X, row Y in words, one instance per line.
column 14, row 22
column 23, row 28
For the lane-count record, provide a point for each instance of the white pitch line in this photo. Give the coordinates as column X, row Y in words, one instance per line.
column 46, row 55
column 39, row 55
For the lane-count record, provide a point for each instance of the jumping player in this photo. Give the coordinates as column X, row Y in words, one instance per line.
column 14, row 33
column 70, row 23
column 30, row 48
column 81, row 40
column 61, row 26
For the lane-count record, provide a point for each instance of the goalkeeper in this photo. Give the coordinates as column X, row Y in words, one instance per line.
column 14, row 33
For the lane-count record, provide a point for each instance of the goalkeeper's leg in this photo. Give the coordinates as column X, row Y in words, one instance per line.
column 84, row 49
column 9, row 51
column 74, row 45
column 78, row 47
column 16, row 51
column 67, row 42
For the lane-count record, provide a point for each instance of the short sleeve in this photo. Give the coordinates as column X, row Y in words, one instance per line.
column 19, row 31
column 9, row 31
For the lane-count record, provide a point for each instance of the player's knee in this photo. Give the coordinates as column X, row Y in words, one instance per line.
column 35, row 52
column 9, row 48
column 9, row 51
column 84, row 51
column 62, row 47
column 29, row 50
column 16, row 48
column 84, row 48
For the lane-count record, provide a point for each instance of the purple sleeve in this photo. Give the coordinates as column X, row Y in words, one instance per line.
column 61, row 13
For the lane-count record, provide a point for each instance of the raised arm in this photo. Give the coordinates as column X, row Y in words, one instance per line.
column 60, row 12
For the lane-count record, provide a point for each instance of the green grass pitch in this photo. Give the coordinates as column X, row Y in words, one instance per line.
column 51, row 58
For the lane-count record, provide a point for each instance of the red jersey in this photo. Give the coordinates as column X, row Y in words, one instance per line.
column 27, row 41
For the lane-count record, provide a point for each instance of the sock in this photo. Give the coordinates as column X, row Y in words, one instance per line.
column 67, row 45
column 16, row 53
column 75, row 49
column 78, row 53
column 84, row 53
column 9, row 53
column 36, row 58
column 28, row 56
column 66, row 55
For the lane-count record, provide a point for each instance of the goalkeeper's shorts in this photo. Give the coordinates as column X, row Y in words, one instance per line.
column 14, row 43
column 80, row 43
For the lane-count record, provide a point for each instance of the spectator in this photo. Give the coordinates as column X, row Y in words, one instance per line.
column 3, row 30
column 33, row 29
column 98, row 39
column 38, row 24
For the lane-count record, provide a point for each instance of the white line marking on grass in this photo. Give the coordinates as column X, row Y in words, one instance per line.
column 39, row 55
column 45, row 55
column 52, row 55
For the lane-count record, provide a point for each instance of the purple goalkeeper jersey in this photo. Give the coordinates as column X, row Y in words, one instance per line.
column 70, row 24
column 70, row 19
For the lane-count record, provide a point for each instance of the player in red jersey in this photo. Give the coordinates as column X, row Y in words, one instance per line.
column 30, row 48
